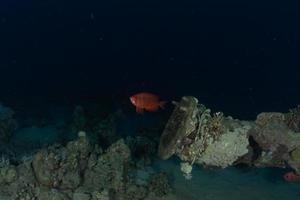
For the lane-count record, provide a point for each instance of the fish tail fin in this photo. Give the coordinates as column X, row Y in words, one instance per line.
column 162, row 104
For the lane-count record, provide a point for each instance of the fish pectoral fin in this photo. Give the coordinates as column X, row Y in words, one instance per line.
column 139, row 110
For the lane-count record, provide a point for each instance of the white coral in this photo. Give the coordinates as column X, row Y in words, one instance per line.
column 186, row 168
column 226, row 150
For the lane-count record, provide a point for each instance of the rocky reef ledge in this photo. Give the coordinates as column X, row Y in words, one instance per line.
column 198, row 136
column 80, row 171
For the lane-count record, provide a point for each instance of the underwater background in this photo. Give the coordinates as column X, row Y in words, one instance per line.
column 59, row 59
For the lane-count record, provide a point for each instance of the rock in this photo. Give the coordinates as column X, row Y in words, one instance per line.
column 274, row 138
column 180, row 124
column 159, row 185
column 71, row 180
column 110, row 170
column 52, row 194
column 41, row 171
column 8, row 174
column 79, row 172
column 231, row 145
column 295, row 155
column 294, row 160
column 2, row 197
column 103, row 195
column 134, row 192
column 292, row 119
column 271, row 131
column 81, row 196
column 61, row 167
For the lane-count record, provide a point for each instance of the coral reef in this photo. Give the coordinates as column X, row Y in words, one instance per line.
column 79, row 171
column 100, row 165
column 198, row 136
column 159, row 185
column 231, row 145
column 292, row 119
column 8, row 174
column 60, row 167
column 274, row 138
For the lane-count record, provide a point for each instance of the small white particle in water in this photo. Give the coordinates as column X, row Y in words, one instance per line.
column 92, row 16
column 81, row 134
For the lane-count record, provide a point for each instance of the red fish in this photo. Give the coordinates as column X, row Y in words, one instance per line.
column 146, row 101
column 291, row 177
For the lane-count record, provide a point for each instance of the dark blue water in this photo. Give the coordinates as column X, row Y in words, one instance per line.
column 245, row 52
column 241, row 57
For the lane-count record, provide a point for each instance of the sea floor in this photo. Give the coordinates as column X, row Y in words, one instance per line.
column 231, row 183
column 206, row 184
